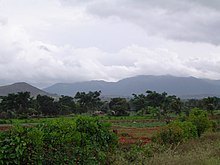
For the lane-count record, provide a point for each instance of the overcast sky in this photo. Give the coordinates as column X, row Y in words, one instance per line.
column 47, row 41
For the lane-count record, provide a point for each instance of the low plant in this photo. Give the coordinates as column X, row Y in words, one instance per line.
column 81, row 141
column 21, row 145
column 169, row 134
column 175, row 132
column 200, row 119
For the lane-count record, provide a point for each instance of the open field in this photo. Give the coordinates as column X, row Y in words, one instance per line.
column 134, row 135
column 135, row 131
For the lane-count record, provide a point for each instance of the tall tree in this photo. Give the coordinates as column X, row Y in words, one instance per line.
column 46, row 105
column 88, row 102
column 17, row 103
column 22, row 102
column 139, row 102
column 210, row 104
column 120, row 106
column 155, row 99
column 67, row 105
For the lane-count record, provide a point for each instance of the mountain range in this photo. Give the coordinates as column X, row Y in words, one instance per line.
column 184, row 87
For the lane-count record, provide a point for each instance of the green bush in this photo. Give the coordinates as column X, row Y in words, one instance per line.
column 169, row 134
column 21, row 146
column 214, row 125
column 95, row 140
column 60, row 140
column 189, row 130
column 80, row 141
column 200, row 119
column 191, row 127
column 175, row 133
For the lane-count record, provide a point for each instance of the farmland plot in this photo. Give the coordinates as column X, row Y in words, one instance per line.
column 138, row 131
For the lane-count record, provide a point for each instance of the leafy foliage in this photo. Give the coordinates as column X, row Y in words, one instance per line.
column 170, row 134
column 66, row 105
column 200, row 119
column 193, row 126
column 88, row 101
column 160, row 101
column 80, row 141
column 120, row 106
column 21, row 146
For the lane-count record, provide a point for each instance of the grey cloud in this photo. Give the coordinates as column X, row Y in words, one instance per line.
column 215, row 4
column 76, row 2
column 193, row 21
column 45, row 48
column 3, row 21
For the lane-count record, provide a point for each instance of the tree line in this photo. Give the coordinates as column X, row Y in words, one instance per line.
column 22, row 105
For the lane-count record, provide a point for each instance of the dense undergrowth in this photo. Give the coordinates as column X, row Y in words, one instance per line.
column 79, row 141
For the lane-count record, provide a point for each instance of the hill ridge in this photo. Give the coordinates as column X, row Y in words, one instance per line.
column 22, row 87
column 181, row 86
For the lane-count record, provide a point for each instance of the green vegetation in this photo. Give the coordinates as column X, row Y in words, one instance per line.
column 79, row 141
column 139, row 124
column 175, row 133
column 151, row 105
column 205, row 151
column 151, row 128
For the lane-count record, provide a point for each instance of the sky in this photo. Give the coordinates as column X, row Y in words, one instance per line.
column 43, row 42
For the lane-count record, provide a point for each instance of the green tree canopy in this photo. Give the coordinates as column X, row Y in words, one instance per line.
column 120, row 106
column 88, row 102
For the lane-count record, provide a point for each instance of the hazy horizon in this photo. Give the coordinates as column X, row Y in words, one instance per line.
column 44, row 85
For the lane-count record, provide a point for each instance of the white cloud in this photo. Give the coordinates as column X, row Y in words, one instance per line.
column 36, row 61
column 46, row 42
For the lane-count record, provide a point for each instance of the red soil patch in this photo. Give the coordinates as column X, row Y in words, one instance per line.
column 129, row 135
column 5, row 127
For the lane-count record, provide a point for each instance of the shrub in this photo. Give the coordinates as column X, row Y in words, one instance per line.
column 21, row 146
column 60, row 140
column 200, row 119
column 189, row 130
column 175, row 133
column 169, row 134
column 95, row 140
column 188, row 127
column 80, row 141
column 214, row 126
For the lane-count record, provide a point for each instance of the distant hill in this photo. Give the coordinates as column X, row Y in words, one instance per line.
column 185, row 87
column 22, row 87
